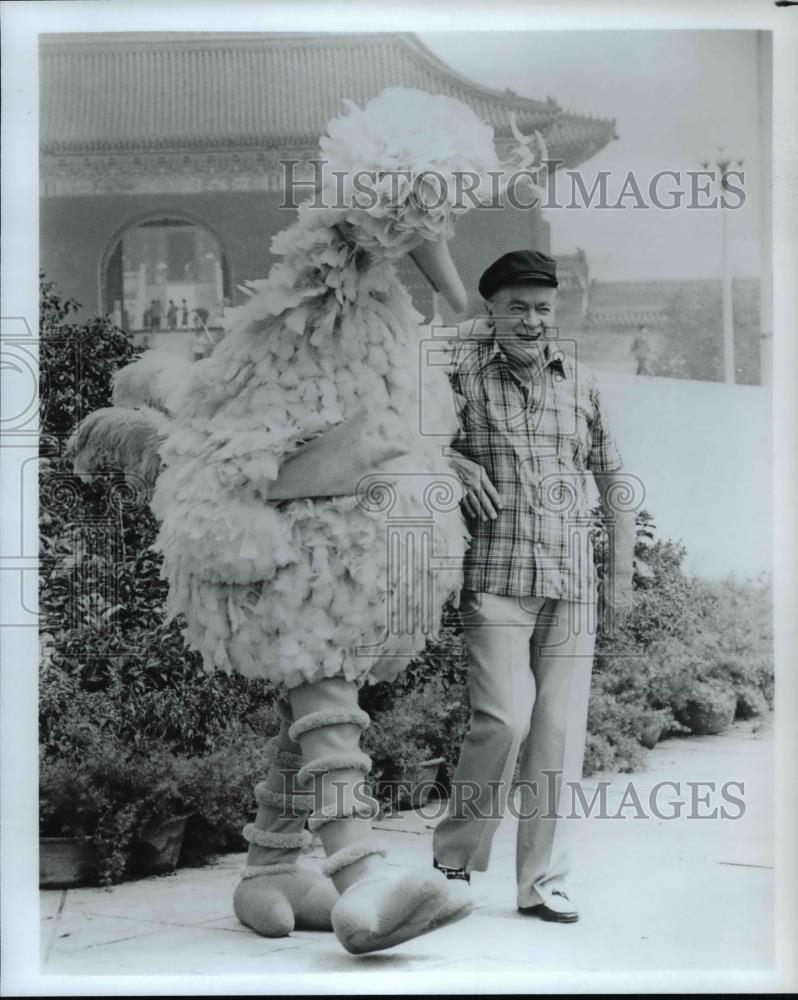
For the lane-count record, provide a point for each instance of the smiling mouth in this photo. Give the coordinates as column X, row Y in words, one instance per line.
column 528, row 333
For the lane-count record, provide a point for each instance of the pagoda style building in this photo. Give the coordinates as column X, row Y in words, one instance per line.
column 161, row 160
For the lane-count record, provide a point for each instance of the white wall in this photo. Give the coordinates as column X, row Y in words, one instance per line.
column 703, row 453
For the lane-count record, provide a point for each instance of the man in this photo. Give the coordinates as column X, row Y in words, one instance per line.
column 156, row 308
column 532, row 425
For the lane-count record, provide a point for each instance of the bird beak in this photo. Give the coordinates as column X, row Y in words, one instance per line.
column 434, row 261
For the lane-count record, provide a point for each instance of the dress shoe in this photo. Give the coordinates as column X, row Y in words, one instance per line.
column 455, row 873
column 559, row 909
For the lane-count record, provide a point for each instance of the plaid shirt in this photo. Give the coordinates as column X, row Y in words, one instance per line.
column 536, row 439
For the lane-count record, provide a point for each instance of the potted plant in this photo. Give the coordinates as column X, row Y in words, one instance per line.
column 66, row 858
column 654, row 724
column 750, row 702
column 708, row 708
column 109, row 801
column 425, row 781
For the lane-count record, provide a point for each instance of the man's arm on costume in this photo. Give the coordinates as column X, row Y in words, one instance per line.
column 335, row 462
column 480, row 497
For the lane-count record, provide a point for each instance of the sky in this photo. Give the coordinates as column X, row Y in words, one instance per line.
column 677, row 97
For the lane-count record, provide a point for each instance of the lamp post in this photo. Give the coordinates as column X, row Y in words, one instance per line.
column 722, row 164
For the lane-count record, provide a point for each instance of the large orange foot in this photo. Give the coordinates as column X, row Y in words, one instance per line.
column 378, row 913
column 290, row 898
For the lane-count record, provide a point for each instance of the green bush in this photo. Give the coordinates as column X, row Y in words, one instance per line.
column 76, row 362
column 108, row 795
column 109, row 661
column 427, row 721
column 125, row 711
column 708, row 707
column 220, row 787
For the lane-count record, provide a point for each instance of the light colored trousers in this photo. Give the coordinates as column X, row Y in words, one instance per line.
column 529, row 678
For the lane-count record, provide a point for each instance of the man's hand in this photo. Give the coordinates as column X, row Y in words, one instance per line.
column 480, row 497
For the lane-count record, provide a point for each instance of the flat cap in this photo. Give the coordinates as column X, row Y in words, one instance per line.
column 518, row 265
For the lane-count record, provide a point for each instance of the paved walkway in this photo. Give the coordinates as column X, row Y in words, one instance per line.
column 654, row 894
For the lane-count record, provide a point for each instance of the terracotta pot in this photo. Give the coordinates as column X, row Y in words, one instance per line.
column 652, row 731
column 64, row 862
column 650, row 734
column 158, row 847
column 423, row 779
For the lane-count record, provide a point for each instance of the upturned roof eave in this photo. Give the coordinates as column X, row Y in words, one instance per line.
column 530, row 113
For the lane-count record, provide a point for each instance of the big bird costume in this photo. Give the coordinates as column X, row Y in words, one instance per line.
column 279, row 569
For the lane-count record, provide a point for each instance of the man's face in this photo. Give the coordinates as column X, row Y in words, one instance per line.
column 521, row 314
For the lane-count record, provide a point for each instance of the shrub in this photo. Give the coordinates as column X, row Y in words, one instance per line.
column 751, row 702
column 76, row 362
column 618, row 720
column 708, row 707
column 110, row 663
column 427, row 721
column 126, row 713
column 220, row 787
column 107, row 796
column 193, row 715
column 107, row 793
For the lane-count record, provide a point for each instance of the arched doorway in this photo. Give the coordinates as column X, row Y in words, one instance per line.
column 168, row 279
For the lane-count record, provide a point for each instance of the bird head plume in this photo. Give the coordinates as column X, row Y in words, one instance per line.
column 412, row 152
column 395, row 175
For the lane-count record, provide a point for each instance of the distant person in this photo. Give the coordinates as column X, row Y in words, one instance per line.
column 146, row 319
column 155, row 311
column 184, row 314
column 643, row 352
column 171, row 315
column 116, row 314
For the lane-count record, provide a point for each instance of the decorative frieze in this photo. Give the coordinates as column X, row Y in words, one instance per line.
column 176, row 171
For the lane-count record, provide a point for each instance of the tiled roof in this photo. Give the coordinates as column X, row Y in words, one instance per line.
column 649, row 295
column 171, row 90
column 615, row 318
column 627, row 304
